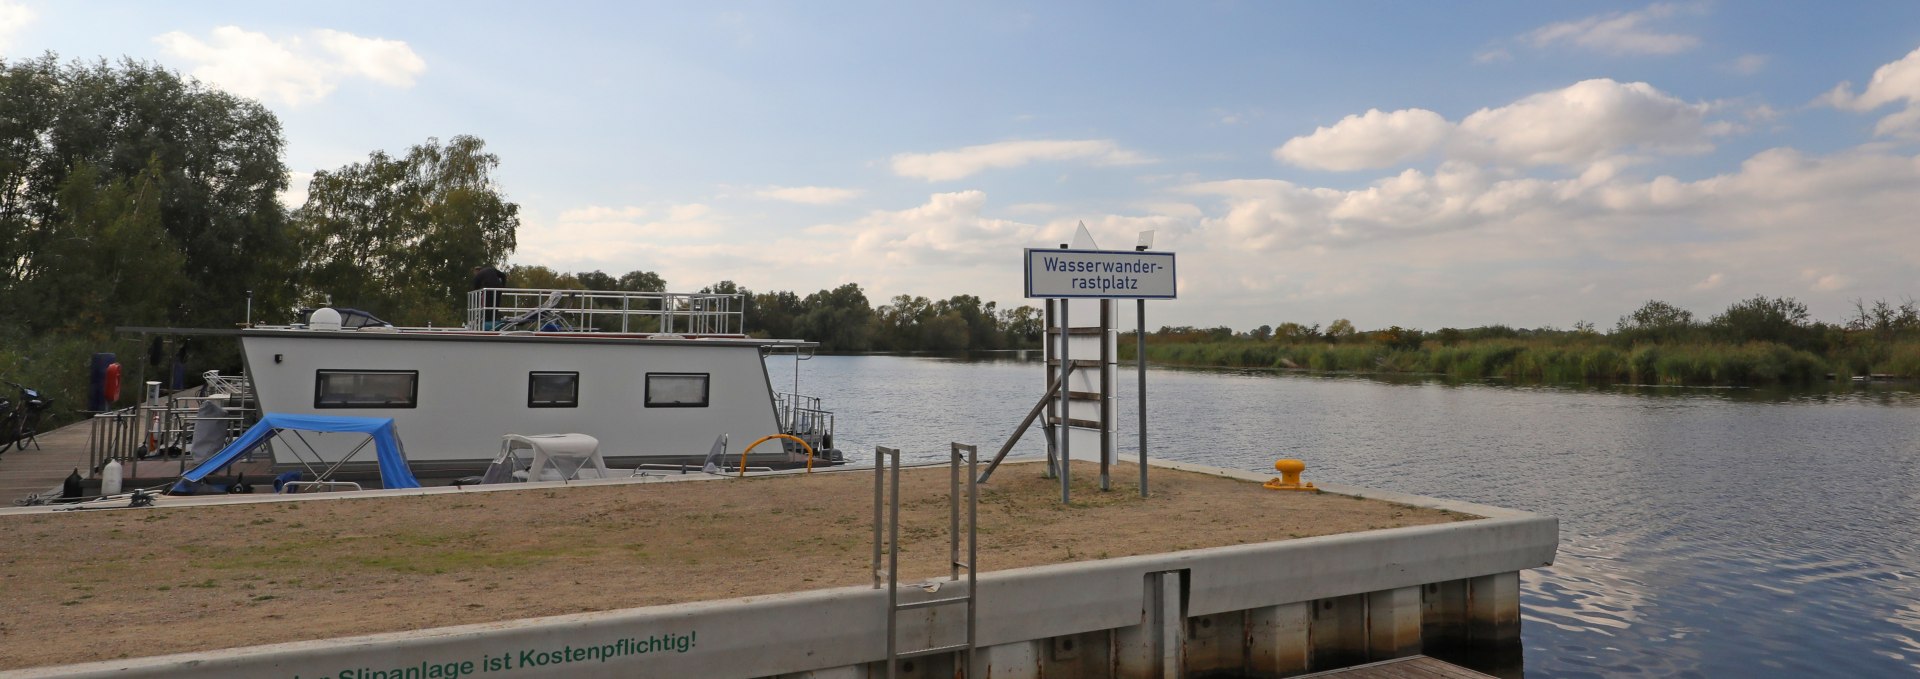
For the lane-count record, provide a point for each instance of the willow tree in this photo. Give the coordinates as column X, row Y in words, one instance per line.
column 399, row 236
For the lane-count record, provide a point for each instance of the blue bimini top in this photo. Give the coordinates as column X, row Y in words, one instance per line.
column 394, row 472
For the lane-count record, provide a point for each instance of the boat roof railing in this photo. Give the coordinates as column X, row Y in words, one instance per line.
column 694, row 313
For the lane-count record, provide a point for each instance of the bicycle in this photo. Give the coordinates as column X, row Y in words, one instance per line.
column 20, row 420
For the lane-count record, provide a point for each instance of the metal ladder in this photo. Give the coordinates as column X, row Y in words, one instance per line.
column 889, row 494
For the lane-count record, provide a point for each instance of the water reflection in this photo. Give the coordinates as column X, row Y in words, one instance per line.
column 1705, row 532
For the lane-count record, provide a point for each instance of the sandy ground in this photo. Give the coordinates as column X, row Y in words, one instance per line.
column 95, row 585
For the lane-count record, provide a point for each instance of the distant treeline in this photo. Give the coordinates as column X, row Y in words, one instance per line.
column 840, row 319
column 1755, row 341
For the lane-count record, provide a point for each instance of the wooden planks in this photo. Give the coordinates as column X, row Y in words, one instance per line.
column 39, row 470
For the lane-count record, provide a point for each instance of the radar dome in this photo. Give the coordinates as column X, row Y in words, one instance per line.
column 324, row 319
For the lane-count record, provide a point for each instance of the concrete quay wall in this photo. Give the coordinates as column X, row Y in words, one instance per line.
column 1268, row 609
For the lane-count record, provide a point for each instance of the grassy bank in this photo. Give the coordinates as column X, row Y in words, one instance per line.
column 1555, row 360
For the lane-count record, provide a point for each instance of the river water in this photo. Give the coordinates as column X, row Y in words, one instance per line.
column 1704, row 532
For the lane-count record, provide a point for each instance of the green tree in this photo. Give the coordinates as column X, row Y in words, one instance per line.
column 1655, row 321
column 1403, row 339
column 538, row 277
column 982, row 325
column 1021, row 326
column 597, row 280
column 401, row 235
column 1885, row 321
column 642, row 281
column 839, row 319
column 210, row 160
column 1783, row 320
column 1340, row 330
column 944, row 332
column 1296, row 333
column 898, row 324
column 780, row 314
column 111, row 261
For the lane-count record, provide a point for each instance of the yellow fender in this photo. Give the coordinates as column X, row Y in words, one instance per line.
column 764, row 439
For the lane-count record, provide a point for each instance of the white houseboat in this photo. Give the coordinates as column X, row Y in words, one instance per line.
column 656, row 377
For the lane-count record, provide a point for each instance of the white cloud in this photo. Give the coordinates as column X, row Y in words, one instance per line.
column 1368, row 140
column 1777, row 190
column 630, row 236
column 13, row 17
column 809, row 195
column 1491, row 55
column 388, row 62
column 967, row 161
column 1528, row 244
column 1894, row 82
column 1748, row 64
column 1584, row 122
column 949, row 228
column 1620, row 33
column 295, row 70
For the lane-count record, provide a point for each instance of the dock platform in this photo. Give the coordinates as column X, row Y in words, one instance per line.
column 766, row 576
column 39, row 470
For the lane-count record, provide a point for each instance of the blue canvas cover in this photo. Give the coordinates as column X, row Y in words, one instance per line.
column 386, row 444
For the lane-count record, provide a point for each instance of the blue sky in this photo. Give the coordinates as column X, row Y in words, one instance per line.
column 1419, row 164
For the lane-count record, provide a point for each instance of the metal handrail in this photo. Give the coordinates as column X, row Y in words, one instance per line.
column 803, row 416
column 111, row 436
column 887, row 492
column 699, row 313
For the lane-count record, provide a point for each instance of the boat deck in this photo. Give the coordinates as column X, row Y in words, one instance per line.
column 87, row 585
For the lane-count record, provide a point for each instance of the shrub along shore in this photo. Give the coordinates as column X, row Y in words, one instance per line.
column 1755, row 342
column 1548, row 361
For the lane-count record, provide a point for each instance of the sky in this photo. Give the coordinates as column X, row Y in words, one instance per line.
column 1415, row 164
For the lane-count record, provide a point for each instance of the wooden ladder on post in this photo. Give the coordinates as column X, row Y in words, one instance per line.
column 887, row 492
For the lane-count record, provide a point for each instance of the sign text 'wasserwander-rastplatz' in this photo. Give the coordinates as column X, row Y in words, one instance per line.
column 1106, row 274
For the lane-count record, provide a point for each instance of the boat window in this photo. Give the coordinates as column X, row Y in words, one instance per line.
column 366, row 389
column 553, row 390
column 676, row 390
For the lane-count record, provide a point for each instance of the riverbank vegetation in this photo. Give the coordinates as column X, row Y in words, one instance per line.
column 1753, row 342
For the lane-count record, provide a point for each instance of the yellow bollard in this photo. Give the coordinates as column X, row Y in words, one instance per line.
column 1289, row 476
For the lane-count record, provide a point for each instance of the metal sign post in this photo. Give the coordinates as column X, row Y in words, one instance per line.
column 1065, row 274
column 1140, row 357
column 1066, row 441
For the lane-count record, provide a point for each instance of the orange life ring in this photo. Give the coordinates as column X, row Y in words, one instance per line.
column 110, row 386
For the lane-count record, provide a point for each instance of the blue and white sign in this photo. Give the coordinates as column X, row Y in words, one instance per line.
column 1100, row 274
